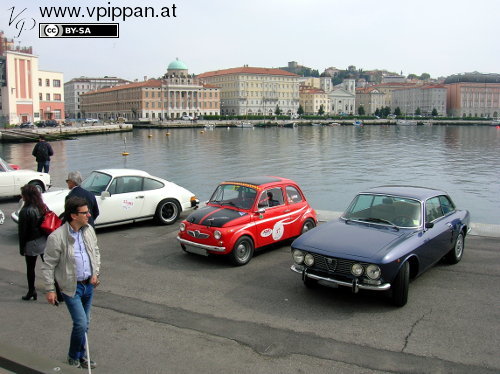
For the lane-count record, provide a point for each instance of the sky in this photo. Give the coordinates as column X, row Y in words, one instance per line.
column 439, row 37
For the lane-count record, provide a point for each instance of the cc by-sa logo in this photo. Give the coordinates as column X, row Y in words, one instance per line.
column 51, row 30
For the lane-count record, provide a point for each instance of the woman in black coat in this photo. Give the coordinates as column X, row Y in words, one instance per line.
column 31, row 239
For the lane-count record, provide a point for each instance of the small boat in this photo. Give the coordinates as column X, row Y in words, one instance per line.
column 405, row 122
column 210, row 126
column 316, row 124
column 358, row 123
column 244, row 125
column 289, row 124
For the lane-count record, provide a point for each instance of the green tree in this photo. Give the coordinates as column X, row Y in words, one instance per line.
column 385, row 111
column 277, row 111
column 434, row 112
column 417, row 111
column 425, row 76
column 300, row 111
column 361, row 110
column 377, row 112
column 321, row 110
column 412, row 76
column 397, row 111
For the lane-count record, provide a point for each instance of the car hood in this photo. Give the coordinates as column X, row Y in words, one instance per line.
column 55, row 200
column 341, row 238
column 215, row 216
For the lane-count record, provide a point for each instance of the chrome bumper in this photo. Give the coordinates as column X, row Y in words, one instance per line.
column 202, row 246
column 355, row 285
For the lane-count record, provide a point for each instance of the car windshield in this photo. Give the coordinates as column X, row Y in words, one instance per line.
column 234, row 195
column 4, row 166
column 385, row 209
column 96, row 182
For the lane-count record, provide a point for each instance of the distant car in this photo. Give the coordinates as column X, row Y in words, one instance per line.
column 51, row 123
column 26, row 125
column 391, row 116
column 126, row 196
column 387, row 236
column 186, row 118
column 91, row 120
column 12, row 179
column 244, row 214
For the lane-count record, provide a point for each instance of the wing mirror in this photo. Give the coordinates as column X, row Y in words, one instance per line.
column 429, row 225
column 105, row 194
column 260, row 211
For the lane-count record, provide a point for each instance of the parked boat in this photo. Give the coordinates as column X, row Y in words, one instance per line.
column 244, row 125
column 290, row 124
column 406, row 122
column 358, row 123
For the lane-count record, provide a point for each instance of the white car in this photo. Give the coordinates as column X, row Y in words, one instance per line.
column 126, row 196
column 11, row 180
column 186, row 118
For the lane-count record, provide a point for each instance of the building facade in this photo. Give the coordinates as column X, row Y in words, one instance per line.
column 78, row 86
column 343, row 98
column 28, row 94
column 473, row 99
column 370, row 99
column 255, row 91
column 177, row 94
column 312, row 99
column 424, row 98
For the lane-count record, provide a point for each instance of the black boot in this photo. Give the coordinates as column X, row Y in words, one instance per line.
column 29, row 295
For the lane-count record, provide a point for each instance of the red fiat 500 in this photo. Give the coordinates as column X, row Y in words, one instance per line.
column 244, row 214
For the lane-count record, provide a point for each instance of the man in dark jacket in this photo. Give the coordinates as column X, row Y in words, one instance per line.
column 42, row 152
column 74, row 181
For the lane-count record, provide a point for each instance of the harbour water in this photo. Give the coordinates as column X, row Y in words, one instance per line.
column 330, row 164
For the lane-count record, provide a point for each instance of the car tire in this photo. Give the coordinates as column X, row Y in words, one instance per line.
column 309, row 224
column 457, row 252
column 167, row 211
column 401, row 285
column 39, row 186
column 242, row 251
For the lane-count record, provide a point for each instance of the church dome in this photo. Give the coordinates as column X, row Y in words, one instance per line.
column 177, row 65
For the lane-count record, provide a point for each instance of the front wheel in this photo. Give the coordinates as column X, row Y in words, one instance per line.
column 456, row 253
column 400, row 286
column 167, row 212
column 242, row 251
column 308, row 225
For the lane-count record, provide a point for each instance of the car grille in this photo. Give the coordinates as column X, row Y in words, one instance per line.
column 197, row 234
column 333, row 264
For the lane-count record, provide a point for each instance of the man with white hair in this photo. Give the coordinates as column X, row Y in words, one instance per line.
column 74, row 181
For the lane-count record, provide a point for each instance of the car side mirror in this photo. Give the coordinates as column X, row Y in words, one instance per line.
column 260, row 211
column 429, row 225
column 105, row 194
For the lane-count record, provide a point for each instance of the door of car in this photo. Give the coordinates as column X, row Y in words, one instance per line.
column 271, row 223
column 7, row 181
column 438, row 238
column 125, row 201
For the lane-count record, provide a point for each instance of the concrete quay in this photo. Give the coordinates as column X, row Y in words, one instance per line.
column 160, row 310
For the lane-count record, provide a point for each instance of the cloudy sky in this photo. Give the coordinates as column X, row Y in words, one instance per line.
column 439, row 37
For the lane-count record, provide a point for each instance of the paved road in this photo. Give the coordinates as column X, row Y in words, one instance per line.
column 160, row 310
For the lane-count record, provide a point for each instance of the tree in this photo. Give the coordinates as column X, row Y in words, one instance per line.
column 434, row 112
column 397, row 111
column 385, row 111
column 417, row 111
column 425, row 76
column 277, row 111
column 321, row 110
column 300, row 111
column 361, row 110
column 412, row 76
column 377, row 112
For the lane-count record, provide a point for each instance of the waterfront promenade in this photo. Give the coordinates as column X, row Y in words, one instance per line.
column 160, row 310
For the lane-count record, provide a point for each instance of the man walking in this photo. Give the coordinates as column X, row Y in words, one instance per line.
column 72, row 258
column 42, row 152
column 74, row 182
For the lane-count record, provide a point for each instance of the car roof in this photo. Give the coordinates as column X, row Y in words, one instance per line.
column 122, row 172
column 415, row 192
column 259, row 180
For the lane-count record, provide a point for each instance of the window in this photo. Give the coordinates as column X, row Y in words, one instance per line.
column 293, row 195
column 433, row 209
column 151, row 184
column 47, row 97
column 47, row 82
column 40, row 82
column 446, row 204
column 57, row 97
column 125, row 185
column 40, row 96
column 56, row 83
column 270, row 198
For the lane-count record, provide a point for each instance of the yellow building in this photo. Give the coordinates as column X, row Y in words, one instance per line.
column 311, row 100
column 255, row 91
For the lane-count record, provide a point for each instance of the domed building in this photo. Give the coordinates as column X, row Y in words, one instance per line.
column 177, row 68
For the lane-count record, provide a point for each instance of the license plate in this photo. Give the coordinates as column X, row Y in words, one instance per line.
column 196, row 250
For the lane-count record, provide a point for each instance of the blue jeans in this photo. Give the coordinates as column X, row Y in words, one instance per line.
column 79, row 308
column 43, row 166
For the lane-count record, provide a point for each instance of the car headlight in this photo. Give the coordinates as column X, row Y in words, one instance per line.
column 217, row 234
column 373, row 272
column 309, row 259
column 182, row 226
column 357, row 270
column 298, row 256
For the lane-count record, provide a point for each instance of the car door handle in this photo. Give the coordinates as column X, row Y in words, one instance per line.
column 140, row 197
column 288, row 211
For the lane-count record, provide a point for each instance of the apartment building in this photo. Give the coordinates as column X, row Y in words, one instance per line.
column 255, row 91
column 78, row 86
column 312, row 99
column 425, row 98
column 370, row 99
